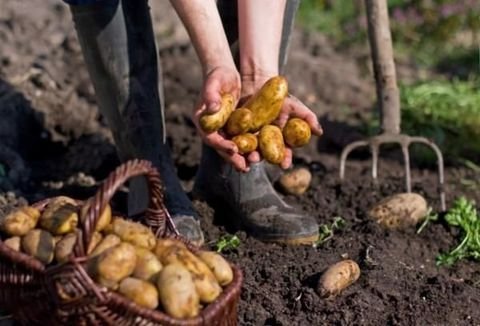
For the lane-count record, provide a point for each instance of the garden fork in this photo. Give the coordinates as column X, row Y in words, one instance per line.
column 388, row 100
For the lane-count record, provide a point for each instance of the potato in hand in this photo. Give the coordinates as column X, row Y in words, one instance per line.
column 296, row 132
column 246, row 143
column 213, row 122
column 272, row 147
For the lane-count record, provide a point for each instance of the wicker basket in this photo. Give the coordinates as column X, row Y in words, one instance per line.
column 64, row 294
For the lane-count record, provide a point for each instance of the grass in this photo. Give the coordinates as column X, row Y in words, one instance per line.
column 227, row 242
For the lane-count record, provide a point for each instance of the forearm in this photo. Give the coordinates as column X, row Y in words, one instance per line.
column 260, row 34
column 202, row 21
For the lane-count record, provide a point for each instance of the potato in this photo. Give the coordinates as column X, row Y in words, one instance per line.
column 148, row 266
column 97, row 237
column 399, row 211
column 39, row 244
column 296, row 181
column 213, row 122
column 64, row 247
column 61, row 219
column 13, row 243
column 218, row 265
column 141, row 292
column 134, row 233
column 270, row 141
column 20, row 221
column 338, row 277
column 114, row 264
column 108, row 242
column 296, row 132
column 266, row 104
column 246, row 143
column 239, row 122
column 104, row 219
column 55, row 203
column 206, row 284
column 177, row 292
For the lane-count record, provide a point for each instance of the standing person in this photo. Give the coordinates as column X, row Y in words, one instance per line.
column 117, row 40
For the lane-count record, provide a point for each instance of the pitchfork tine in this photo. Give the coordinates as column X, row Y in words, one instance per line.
column 406, row 159
column 374, row 148
column 346, row 151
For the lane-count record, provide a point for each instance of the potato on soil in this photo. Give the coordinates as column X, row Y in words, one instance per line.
column 134, row 233
column 296, row 181
column 338, row 277
column 61, row 219
column 267, row 103
column 110, row 240
column 239, row 122
column 104, row 219
column 141, row 292
column 177, row 292
column 296, row 132
column 213, row 122
column 39, row 244
column 114, row 264
column 148, row 266
column 270, row 141
column 218, row 265
column 13, row 243
column 399, row 211
column 20, row 221
column 246, row 143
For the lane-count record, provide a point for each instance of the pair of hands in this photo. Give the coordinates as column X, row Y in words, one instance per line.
column 227, row 80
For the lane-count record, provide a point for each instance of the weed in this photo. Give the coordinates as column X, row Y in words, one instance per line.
column 431, row 217
column 227, row 242
column 326, row 231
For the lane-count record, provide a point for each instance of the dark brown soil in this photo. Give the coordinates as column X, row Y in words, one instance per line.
column 49, row 119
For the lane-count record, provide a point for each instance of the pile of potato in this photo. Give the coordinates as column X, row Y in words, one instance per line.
column 250, row 127
column 124, row 256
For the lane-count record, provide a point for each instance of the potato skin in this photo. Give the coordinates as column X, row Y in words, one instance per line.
column 267, row 103
column 139, row 291
column 61, row 219
column 296, row 181
column 104, row 219
column 270, row 141
column 246, row 143
column 134, row 233
column 13, row 243
column 338, row 277
column 218, row 265
column 213, row 122
column 108, row 242
column 296, row 132
column 20, row 221
column 39, row 244
column 148, row 266
column 177, row 292
column 64, row 247
column 114, row 264
column 239, row 122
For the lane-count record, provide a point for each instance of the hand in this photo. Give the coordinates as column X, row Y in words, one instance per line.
column 218, row 81
column 291, row 108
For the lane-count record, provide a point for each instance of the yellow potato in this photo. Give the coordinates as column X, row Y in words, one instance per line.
column 218, row 265
column 20, row 221
column 296, row 132
column 134, row 233
column 270, row 141
column 148, row 266
column 97, row 237
column 141, row 292
column 296, row 181
column 213, row 122
column 39, row 244
column 13, row 243
column 399, row 211
column 55, row 203
column 206, row 284
column 177, row 292
column 246, row 143
column 338, row 277
column 103, row 221
column 108, row 242
column 64, row 247
column 61, row 219
column 114, row 264
column 267, row 103
column 239, row 122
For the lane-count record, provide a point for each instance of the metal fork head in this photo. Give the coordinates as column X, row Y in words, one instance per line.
column 404, row 141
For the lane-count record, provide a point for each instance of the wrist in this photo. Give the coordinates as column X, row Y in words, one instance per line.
column 253, row 81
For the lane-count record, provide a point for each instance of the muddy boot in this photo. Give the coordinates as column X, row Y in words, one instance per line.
column 118, row 45
column 258, row 208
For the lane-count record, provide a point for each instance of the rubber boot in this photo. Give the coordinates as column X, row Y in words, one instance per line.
column 118, row 45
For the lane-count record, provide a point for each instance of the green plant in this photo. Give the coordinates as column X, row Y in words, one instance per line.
column 326, row 231
column 463, row 215
column 431, row 217
column 227, row 242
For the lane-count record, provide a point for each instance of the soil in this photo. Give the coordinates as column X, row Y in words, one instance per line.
column 54, row 141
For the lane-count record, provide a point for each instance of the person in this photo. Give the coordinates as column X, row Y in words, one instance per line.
column 117, row 41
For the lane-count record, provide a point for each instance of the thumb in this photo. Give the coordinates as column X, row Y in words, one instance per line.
column 212, row 96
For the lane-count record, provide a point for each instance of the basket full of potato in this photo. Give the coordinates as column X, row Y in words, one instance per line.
column 70, row 262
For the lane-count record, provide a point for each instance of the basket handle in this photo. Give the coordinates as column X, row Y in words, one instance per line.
column 156, row 215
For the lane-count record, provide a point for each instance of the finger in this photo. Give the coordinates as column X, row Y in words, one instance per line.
column 315, row 126
column 254, row 157
column 299, row 110
column 220, row 144
column 287, row 160
column 212, row 95
column 236, row 160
